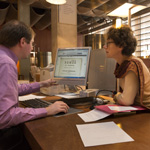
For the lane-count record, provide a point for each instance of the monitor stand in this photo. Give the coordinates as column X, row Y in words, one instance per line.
column 72, row 88
column 69, row 90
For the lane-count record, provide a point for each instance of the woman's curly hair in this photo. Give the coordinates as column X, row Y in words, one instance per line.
column 123, row 37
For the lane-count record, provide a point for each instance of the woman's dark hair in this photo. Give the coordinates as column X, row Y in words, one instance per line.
column 13, row 31
column 123, row 37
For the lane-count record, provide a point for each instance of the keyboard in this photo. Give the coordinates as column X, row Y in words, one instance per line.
column 39, row 103
column 35, row 103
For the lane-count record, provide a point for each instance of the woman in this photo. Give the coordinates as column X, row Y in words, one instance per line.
column 133, row 75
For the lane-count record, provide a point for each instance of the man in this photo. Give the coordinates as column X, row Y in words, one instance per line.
column 16, row 41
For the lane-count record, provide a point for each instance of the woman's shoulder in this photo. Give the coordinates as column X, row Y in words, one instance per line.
column 141, row 61
column 134, row 61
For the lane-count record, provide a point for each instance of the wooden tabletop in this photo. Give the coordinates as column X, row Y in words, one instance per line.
column 60, row 133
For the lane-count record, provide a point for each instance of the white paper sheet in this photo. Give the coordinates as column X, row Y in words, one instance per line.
column 93, row 115
column 30, row 96
column 102, row 134
column 68, row 95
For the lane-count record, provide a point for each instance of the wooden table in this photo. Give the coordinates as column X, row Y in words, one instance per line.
column 60, row 133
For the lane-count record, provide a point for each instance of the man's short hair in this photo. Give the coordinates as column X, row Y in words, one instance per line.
column 13, row 31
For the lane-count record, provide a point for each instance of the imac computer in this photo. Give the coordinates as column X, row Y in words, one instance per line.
column 71, row 66
column 101, row 72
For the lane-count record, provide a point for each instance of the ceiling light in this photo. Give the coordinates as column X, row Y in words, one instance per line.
column 123, row 10
column 56, row 2
column 118, row 22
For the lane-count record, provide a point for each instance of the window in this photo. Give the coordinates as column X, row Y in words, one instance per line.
column 141, row 27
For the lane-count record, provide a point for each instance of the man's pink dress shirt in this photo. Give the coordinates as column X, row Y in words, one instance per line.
column 10, row 113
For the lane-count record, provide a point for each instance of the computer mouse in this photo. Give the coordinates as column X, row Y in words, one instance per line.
column 60, row 114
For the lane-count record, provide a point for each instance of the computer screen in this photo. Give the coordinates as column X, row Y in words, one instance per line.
column 71, row 66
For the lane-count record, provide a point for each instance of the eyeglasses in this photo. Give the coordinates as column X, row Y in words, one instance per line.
column 108, row 43
column 33, row 44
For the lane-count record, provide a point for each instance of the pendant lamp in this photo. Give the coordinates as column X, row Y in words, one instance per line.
column 56, row 2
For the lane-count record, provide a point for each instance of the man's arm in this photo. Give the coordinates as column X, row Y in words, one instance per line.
column 24, row 89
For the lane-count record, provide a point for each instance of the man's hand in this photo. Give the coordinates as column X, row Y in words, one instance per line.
column 57, row 107
column 47, row 83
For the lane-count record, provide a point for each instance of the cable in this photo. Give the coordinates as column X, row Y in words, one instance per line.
column 113, row 92
column 95, row 99
column 79, row 87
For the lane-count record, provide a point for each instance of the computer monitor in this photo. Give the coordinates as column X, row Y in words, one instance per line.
column 71, row 66
column 101, row 71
